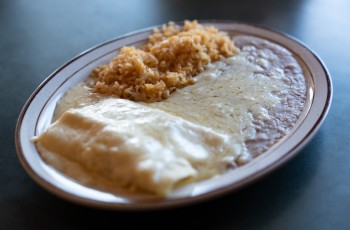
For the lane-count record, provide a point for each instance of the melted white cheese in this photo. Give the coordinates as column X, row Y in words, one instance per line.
column 139, row 147
column 225, row 97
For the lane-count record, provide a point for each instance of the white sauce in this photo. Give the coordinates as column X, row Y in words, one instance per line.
column 226, row 97
column 139, row 147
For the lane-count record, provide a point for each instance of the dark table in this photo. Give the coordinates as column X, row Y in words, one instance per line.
column 310, row 192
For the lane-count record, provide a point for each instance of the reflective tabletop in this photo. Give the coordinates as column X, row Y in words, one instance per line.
column 312, row 191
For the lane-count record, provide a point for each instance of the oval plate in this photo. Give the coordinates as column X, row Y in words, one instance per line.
column 37, row 114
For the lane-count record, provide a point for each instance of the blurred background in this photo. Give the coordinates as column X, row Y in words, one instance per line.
column 310, row 192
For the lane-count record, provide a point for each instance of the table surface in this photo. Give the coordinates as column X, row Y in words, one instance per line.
column 312, row 191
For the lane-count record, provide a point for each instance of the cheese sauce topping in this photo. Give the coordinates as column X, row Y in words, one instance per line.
column 139, row 147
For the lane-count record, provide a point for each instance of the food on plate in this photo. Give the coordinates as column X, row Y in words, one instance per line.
column 230, row 101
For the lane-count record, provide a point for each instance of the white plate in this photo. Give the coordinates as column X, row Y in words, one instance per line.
column 37, row 114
